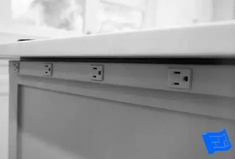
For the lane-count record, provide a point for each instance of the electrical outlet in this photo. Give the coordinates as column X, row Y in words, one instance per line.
column 47, row 69
column 179, row 78
column 97, row 72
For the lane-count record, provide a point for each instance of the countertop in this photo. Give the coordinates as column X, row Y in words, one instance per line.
column 200, row 41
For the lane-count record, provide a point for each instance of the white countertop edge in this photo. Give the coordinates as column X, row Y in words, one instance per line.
column 211, row 40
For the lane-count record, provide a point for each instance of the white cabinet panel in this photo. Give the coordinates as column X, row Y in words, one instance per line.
column 68, row 115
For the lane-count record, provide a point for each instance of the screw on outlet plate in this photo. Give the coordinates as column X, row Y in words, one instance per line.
column 16, row 66
column 47, row 69
column 97, row 72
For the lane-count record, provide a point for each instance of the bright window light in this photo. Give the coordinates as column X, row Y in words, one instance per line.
column 57, row 14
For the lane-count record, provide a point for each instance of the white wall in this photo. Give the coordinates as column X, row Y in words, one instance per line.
column 5, row 10
column 223, row 10
column 4, row 127
column 3, row 109
column 183, row 12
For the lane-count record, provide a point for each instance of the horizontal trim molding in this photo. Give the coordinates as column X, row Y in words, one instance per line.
column 207, row 79
column 205, row 105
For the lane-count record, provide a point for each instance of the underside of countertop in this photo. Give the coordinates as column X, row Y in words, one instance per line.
column 208, row 41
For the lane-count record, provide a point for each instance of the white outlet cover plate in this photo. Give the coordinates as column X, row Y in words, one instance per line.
column 97, row 72
column 47, row 69
column 179, row 78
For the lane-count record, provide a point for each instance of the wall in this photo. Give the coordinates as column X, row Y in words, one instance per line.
column 183, row 12
column 223, row 10
column 5, row 10
column 3, row 109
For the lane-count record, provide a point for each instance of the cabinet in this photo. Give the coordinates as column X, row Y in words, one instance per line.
column 131, row 113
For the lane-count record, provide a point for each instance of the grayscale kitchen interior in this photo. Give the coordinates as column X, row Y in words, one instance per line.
column 117, row 79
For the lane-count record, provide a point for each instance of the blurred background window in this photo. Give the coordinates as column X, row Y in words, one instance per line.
column 52, row 18
column 120, row 15
column 57, row 14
